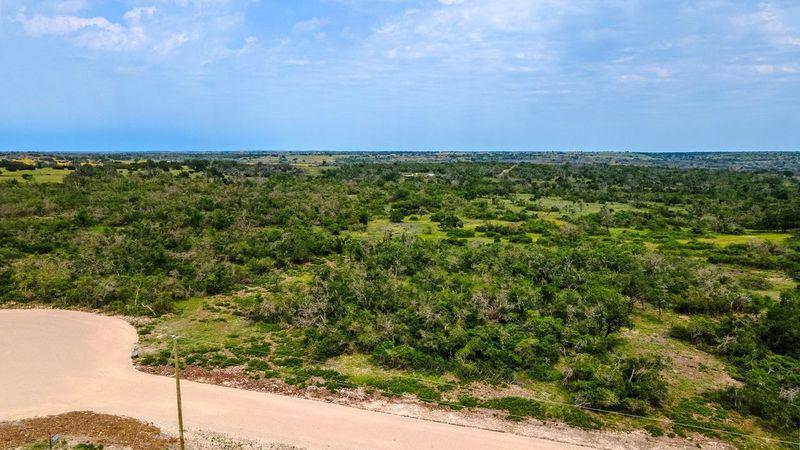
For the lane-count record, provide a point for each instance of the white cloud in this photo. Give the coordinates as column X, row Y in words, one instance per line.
column 310, row 25
column 631, row 78
column 509, row 45
column 765, row 69
column 250, row 44
column 297, row 62
column 92, row 32
column 473, row 39
column 70, row 6
column 198, row 29
column 62, row 25
column 790, row 69
column 781, row 25
column 172, row 43
column 134, row 16
column 658, row 71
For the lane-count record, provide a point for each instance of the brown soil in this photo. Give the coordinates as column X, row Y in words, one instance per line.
column 86, row 427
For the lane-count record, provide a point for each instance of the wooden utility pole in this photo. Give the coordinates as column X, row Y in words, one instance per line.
column 178, row 390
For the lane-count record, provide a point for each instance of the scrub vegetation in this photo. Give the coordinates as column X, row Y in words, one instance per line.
column 665, row 295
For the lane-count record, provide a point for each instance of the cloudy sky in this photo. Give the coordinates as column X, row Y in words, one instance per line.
column 641, row 75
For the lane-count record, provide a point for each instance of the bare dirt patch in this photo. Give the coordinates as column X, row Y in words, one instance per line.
column 86, row 427
column 205, row 440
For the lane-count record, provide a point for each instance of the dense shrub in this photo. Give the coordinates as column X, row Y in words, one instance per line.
column 631, row 384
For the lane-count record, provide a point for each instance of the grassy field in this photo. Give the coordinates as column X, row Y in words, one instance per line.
column 44, row 175
column 723, row 240
column 424, row 228
column 574, row 209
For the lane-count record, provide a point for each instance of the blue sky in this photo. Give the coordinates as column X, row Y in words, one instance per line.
column 400, row 75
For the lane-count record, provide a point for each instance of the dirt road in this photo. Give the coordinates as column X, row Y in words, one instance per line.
column 58, row 361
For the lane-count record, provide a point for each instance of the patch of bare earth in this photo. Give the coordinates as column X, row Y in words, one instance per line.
column 409, row 406
column 691, row 371
column 112, row 432
column 204, row 440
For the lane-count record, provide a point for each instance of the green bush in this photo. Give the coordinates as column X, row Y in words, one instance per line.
column 654, row 430
column 632, row 384
column 405, row 385
column 518, row 408
column 780, row 328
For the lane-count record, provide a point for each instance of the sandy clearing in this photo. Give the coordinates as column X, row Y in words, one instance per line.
column 55, row 361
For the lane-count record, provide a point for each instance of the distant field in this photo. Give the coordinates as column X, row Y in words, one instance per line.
column 571, row 208
column 45, row 175
column 730, row 239
column 783, row 161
